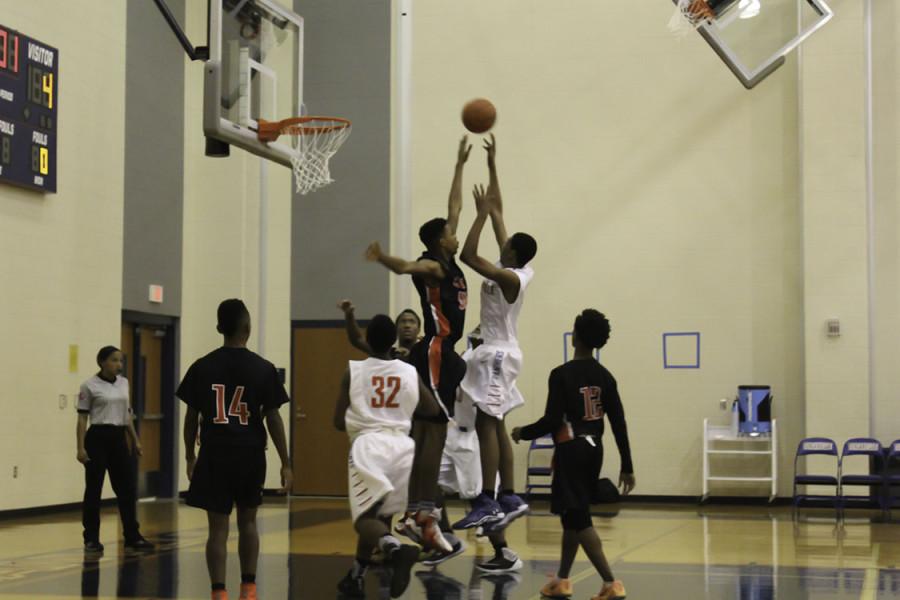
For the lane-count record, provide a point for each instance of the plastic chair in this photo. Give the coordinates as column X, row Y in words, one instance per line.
column 540, row 474
column 870, row 448
column 822, row 447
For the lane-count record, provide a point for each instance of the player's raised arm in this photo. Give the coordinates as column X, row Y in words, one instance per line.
column 494, row 195
column 454, row 205
column 423, row 268
column 343, row 403
column 354, row 334
column 507, row 280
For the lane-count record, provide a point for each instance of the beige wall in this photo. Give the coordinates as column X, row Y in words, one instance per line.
column 660, row 192
column 221, row 241
column 62, row 253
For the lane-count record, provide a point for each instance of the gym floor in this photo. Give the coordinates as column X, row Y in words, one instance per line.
column 659, row 551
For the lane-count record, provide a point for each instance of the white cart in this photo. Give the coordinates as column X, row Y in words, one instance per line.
column 719, row 439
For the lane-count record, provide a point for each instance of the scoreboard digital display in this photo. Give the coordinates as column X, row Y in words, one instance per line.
column 29, row 89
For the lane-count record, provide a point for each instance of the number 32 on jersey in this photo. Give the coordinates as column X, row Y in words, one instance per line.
column 382, row 386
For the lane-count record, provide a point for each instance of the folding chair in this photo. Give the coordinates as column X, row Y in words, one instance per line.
column 891, row 480
column 822, row 447
column 870, row 448
column 538, row 477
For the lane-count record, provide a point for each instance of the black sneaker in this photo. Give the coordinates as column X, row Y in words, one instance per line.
column 93, row 547
column 436, row 557
column 402, row 561
column 139, row 545
column 352, row 587
column 504, row 562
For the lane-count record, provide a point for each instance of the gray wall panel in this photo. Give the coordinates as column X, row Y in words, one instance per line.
column 154, row 159
column 347, row 73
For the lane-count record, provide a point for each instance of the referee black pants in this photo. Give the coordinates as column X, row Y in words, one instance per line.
column 108, row 450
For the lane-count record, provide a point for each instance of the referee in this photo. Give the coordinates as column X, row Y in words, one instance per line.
column 104, row 447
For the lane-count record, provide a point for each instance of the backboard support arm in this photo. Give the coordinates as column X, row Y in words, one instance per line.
column 198, row 53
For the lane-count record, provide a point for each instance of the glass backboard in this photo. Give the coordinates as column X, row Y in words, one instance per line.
column 254, row 71
column 753, row 37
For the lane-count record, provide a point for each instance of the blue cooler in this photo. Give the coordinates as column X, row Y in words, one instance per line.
column 755, row 408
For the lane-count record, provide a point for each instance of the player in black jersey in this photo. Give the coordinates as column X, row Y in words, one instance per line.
column 233, row 390
column 443, row 295
column 581, row 392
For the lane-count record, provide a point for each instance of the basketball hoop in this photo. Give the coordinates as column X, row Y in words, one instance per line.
column 689, row 15
column 314, row 140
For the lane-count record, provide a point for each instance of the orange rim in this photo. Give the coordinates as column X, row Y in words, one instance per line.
column 269, row 131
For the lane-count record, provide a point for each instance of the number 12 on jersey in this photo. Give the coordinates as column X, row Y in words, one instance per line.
column 237, row 409
column 380, row 384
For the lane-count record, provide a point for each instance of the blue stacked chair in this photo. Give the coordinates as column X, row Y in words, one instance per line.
column 893, row 453
column 822, row 447
column 871, row 449
column 538, row 477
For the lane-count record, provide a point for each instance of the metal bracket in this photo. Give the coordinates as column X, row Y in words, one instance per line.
column 198, row 53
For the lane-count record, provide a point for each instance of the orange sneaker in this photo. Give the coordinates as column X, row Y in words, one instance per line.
column 557, row 588
column 611, row 591
column 432, row 537
column 219, row 595
column 248, row 591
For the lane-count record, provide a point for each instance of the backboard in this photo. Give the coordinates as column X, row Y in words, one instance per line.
column 753, row 37
column 254, row 71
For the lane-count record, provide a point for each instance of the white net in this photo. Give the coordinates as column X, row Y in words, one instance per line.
column 314, row 144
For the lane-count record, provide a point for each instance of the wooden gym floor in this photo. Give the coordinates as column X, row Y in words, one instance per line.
column 307, row 545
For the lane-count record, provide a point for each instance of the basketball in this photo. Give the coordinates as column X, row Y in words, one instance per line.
column 478, row 115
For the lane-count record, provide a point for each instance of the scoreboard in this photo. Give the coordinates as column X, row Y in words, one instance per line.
column 29, row 84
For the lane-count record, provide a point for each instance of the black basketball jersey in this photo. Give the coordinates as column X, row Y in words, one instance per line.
column 232, row 388
column 581, row 393
column 443, row 305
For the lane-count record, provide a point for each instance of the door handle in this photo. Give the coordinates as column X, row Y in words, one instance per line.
column 301, row 414
column 153, row 417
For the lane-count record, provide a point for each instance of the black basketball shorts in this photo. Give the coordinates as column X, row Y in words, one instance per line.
column 227, row 475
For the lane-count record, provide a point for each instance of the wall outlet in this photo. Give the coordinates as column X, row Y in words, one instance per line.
column 63, row 401
column 833, row 328
column 15, row 471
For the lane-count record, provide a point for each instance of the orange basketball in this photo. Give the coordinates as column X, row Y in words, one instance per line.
column 478, row 115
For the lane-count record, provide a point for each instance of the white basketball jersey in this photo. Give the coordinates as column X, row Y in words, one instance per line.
column 499, row 318
column 383, row 396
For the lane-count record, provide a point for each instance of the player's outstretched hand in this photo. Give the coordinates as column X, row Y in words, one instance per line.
column 287, row 479
column 373, row 252
column 191, row 463
column 465, row 147
column 626, row 482
column 516, row 434
column 490, row 147
column 346, row 306
column 481, row 200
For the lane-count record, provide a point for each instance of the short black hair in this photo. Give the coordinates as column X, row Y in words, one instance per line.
column 231, row 314
column 432, row 231
column 409, row 311
column 381, row 334
column 592, row 328
column 105, row 352
column 525, row 247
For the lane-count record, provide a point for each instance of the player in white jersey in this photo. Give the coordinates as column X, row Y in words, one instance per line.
column 375, row 407
column 492, row 370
